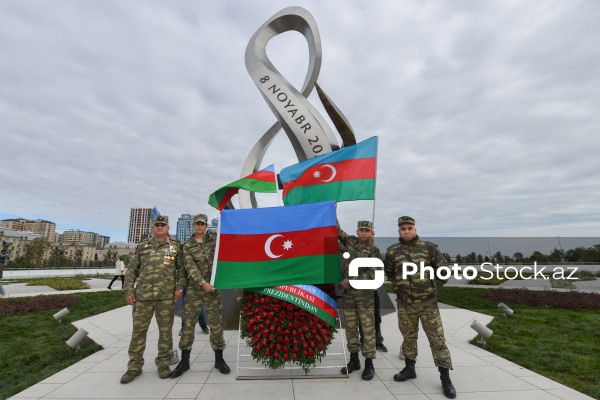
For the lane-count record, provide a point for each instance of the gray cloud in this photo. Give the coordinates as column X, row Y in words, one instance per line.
column 487, row 112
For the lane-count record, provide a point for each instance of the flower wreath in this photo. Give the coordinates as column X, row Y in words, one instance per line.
column 280, row 332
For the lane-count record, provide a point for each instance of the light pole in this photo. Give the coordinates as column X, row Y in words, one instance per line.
column 490, row 252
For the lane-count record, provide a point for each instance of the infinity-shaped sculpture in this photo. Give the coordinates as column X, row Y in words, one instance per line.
column 306, row 129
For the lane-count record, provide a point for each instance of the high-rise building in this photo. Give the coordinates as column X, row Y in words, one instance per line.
column 214, row 225
column 77, row 236
column 140, row 224
column 185, row 228
column 39, row 226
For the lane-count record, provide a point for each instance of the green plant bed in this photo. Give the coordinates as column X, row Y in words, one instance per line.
column 62, row 283
column 33, row 344
column 560, row 344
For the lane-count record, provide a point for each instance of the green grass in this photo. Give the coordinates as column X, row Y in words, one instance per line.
column 33, row 345
column 562, row 345
column 62, row 283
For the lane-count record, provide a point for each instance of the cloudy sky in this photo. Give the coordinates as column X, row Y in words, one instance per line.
column 488, row 113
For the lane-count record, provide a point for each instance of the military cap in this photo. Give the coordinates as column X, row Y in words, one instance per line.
column 365, row 225
column 406, row 220
column 161, row 219
column 201, row 217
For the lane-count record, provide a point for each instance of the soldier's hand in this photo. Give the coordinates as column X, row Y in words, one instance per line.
column 345, row 284
column 177, row 295
column 130, row 299
column 207, row 287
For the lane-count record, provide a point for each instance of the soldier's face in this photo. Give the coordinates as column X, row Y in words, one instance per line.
column 199, row 227
column 160, row 231
column 364, row 235
column 407, row 232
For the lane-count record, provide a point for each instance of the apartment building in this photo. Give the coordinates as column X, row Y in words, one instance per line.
column 140, row 224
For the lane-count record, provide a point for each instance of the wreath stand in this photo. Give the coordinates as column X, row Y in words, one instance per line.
column 328, row 367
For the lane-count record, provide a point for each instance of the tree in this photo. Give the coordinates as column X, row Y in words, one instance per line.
column 458, row 259
column 36, row 249
column 518, row 256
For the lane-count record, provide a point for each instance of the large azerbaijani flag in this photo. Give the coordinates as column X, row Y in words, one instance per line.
column 259, row 247
column 342, row 175
column 260, row 181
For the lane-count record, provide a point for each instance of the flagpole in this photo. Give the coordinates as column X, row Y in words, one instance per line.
column 277, row 189
column 214, row 270
column 375, row 184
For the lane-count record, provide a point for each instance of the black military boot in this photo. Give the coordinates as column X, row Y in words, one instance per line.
column 449, row 390
column 183, row 365
column 220, row 363
column 369, row 371
column 408, row 372
column 353, row 364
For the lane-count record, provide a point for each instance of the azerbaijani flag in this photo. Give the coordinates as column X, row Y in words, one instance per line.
column 259, row 247
column 342, row 175
column 260, row 181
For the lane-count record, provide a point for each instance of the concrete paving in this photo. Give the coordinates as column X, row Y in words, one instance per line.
column 477, row 373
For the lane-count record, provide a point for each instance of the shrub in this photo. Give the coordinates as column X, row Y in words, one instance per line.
column 573, row 300
column 13, row 306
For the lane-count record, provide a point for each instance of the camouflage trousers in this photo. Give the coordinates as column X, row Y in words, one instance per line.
column 358, row 310
column 143, row 310
column 194, row 299
column 428, row 313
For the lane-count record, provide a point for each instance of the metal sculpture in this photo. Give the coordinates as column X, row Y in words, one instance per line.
column 306, row 129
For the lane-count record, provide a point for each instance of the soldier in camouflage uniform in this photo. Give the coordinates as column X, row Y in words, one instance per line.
column 198, row 254
column 151, row 288
column 417, row 301
column 359, row 304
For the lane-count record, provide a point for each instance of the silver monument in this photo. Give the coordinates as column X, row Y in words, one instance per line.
column 306, row 129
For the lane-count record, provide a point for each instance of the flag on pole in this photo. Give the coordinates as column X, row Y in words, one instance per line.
column 261, row 181
column 342, row 175
column 259, row 247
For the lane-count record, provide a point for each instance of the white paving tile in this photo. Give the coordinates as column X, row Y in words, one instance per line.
column 185, row 391
column 308, row 390
column 569, row 394
column 107, row 386
column 542, row 382
column 37, row 391
column 250, row 390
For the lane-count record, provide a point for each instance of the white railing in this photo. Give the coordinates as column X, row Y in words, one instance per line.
column 40, row 273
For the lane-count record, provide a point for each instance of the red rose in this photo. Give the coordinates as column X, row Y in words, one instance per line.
column 286, row 356
column 290, row 307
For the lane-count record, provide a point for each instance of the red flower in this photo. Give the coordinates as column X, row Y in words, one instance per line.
column 279, row 332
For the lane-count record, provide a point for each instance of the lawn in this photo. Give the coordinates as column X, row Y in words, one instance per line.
column 560, row 344
column 33, row 344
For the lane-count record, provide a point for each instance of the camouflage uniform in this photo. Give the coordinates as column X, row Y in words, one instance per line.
column 198, row 260
column 417, row 298
column 151, row 277
column 359, row 304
